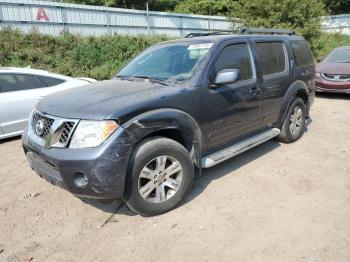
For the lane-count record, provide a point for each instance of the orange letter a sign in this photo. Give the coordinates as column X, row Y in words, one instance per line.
column 41, row 15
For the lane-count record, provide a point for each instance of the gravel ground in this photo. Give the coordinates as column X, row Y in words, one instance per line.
column 276, row 202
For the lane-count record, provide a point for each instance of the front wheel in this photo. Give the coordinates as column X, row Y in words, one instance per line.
column 294, row 124
column 160, row 173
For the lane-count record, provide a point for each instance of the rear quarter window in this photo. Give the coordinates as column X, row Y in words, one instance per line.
column 302, row 53
column 50, row 81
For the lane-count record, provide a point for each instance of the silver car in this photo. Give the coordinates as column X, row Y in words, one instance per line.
column 20, row 90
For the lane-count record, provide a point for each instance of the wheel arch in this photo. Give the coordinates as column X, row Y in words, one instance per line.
column 170, row 123
column 297, row 89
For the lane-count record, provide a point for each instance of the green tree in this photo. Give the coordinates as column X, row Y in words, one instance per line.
column 204, row 7
column 303, row 16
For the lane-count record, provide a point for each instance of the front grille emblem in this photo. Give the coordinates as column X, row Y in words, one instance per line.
column 54, row 131
column 39, row 127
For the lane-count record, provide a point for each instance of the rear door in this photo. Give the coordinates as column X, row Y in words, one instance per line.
column 274, row 72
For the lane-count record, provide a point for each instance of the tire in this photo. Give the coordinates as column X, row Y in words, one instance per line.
column 295, row 118
column 152, row 188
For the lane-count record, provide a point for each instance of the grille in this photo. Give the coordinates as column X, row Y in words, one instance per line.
column 67, row 130
column 47, row 123
column 337, row 77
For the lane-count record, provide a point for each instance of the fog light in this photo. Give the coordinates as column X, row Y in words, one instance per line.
column 80, row 180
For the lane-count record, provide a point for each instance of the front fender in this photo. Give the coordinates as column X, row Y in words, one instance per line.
column 166, row 119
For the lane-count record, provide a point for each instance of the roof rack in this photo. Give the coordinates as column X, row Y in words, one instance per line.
column 262, row 30
column 247, row 30
column 190, row 35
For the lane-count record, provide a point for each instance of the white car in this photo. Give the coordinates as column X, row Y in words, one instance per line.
column 20, row 90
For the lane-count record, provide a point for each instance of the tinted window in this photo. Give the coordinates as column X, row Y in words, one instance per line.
column 7, row 82
column 302, row 53
column 235, row 57
column 50, row 81
column 271, row 57
column 17, row 82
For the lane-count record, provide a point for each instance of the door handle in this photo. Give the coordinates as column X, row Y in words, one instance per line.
column 255, row 91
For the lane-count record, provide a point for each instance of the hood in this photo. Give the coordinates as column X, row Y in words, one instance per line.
column 109, row 99
column 333, row 68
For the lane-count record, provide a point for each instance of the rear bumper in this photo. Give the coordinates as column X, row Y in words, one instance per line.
column 104, row 166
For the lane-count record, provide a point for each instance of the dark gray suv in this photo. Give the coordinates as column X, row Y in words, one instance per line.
column 179, row 106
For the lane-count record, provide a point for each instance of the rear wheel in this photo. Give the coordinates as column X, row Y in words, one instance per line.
column 160, row 174
column 294, row 124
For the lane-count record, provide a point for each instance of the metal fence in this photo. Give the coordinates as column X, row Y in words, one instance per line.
column 337, row 23
column 54, row 17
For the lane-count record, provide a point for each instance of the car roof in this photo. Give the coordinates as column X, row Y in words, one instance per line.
column 27, row 70
column 223, row 37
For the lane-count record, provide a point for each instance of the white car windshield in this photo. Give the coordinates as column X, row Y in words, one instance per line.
column 170, row 63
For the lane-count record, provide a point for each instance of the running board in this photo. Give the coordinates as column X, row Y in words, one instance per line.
column 231, row 151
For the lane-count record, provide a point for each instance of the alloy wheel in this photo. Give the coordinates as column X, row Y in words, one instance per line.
column 296, row 120
column 160, row 179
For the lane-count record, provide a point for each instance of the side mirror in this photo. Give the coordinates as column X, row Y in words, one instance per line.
column 227, row 76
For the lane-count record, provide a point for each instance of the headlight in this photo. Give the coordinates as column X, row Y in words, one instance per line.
column 318, row 74
column 92, row 133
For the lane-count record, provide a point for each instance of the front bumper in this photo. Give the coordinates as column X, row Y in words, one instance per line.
column 323, row 85
column 338, row 91
column 104, row 166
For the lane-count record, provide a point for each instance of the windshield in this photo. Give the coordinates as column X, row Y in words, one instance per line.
column 339, row 56
column 171, row 63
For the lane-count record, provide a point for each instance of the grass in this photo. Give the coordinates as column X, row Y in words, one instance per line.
column 96, row 57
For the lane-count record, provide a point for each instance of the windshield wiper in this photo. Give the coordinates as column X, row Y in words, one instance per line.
column 151, row 79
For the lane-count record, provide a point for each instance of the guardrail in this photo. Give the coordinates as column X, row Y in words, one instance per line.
column 53, row 18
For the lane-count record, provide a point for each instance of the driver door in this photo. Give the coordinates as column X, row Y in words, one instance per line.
column 232, row 111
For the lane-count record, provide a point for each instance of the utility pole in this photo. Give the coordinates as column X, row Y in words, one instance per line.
column 209, row 18
column 148, row 20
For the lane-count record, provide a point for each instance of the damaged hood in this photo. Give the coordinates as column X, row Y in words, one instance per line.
column 111, row 99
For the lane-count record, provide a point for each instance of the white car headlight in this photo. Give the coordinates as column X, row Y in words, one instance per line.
column 92, row 133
